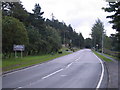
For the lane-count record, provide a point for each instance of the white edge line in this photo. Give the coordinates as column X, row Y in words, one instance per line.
column 52, row 73
column 102, row 74
column 19, row 70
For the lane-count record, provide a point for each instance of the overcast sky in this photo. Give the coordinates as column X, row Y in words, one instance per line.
column 81, row 14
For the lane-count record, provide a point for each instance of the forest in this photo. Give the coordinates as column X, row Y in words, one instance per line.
column 42, row 36
column 38, row 34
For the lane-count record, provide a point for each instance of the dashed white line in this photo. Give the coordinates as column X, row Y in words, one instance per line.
column 77, row 59
column 102, row 73
column 17, row 88
column 69, row 65
column 63, row 75
column 52, row 73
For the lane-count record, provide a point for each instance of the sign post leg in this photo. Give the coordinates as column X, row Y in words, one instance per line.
column 15, row 54
column 21, row 54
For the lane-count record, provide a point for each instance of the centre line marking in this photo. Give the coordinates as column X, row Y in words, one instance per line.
column 69, row 65
column 52, row 73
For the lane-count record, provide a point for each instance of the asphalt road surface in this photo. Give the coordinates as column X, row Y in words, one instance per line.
column 81, row 69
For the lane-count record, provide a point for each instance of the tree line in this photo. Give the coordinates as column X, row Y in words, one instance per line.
column 41, row 35
column 114, row 8
column 111, row 44
column 38, row 34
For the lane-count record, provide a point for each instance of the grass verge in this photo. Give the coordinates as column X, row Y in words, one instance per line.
column 102, row 57
column 116, row 58
column 15, row 63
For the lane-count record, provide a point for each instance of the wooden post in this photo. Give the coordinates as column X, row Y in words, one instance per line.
column 15, row 54
column 21, row 54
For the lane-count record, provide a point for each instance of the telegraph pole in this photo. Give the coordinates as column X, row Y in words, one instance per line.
column 52, row 16
column 64, row 38
column 102, row 40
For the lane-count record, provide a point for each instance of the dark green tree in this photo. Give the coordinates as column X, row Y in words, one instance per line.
column 114, row 7
column 13, row 32
column 107, row 43
column 97, row 31
column 114, row 42
column 14, row 9
column 54, row 40
column 88, row 43
column 34, row 46
column 81, row 40
column 38, row 20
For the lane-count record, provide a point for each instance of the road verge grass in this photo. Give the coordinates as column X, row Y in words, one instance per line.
column 102, row 57
column 116, row 58
column 16, row 63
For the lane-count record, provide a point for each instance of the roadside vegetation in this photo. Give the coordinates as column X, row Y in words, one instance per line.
column 102, row 57
column 116, row 58
column 39, row 35
column 15, row 63
column 44, row 38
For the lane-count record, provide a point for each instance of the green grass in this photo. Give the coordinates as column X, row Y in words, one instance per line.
column 102, row 57
column 116, row 58
column 15, row 63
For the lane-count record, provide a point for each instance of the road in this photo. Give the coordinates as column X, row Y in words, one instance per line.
column 81, row 69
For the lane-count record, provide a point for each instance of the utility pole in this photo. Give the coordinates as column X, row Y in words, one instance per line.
column 64, row 38
column 102, row 40
column 53, row 17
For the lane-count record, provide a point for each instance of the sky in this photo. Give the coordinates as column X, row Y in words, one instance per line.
column 81, row 14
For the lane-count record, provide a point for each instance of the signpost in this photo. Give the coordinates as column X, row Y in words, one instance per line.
column 18, row 48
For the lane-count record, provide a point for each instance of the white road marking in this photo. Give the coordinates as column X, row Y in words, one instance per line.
column 69, row 65
column 19, row 70
column 27, row 68
column 72, row 62
column 17, row 88
column 102, row 74
column 52, row 73
column 78, row 59
column 63, row 75
column 32, row 83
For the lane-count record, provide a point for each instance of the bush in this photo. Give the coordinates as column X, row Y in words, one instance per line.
column 60, row 51
column 67, row 50
column 100, row 50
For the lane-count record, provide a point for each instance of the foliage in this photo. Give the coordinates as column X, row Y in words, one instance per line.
column 34, row 40
column 114, row 42
column 88, row 43
column 40, row 36
column 97, row 31
column 68, row 35
column 53, row 39
column 107, row 42
column 13, row 32
column 114, row 7
column 36, row 17
column 15, row 63
column 102, row 57
column 14, row 9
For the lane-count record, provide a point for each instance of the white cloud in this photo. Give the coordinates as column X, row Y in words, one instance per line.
column 81, row 14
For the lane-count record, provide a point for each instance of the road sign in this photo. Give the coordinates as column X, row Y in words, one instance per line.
column 18, row 47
